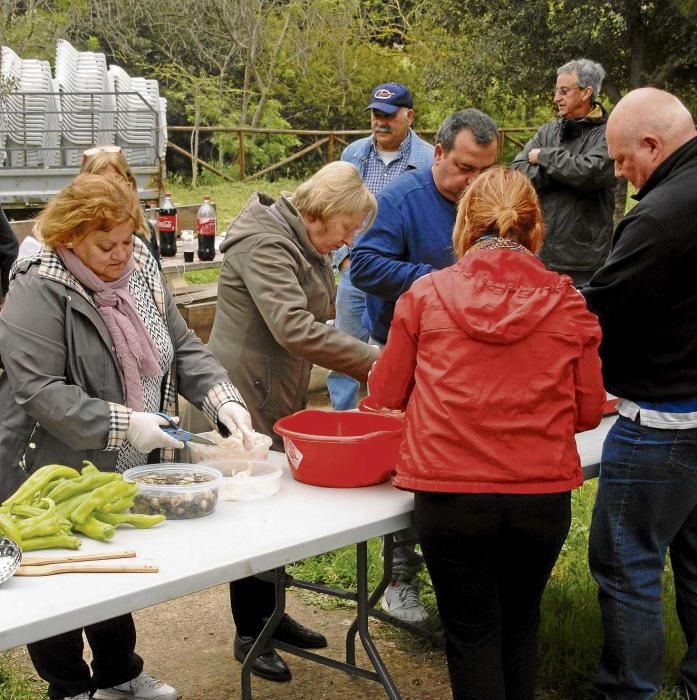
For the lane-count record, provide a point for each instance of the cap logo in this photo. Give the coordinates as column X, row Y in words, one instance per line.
column 384, row 94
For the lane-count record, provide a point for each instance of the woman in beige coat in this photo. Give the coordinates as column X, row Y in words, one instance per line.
column 275, row 293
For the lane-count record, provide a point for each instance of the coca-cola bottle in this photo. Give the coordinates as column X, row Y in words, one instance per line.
column 206, row 225
column 168, row 228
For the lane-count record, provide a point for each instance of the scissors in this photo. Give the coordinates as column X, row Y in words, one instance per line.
column 179, row 433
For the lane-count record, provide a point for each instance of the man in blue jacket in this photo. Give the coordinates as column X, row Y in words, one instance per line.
column 410, row 237
column 393, row 149
column 645, row 297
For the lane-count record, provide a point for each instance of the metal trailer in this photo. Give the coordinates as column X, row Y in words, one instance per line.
column 31, row 174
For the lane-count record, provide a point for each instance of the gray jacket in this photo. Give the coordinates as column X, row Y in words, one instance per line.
column 274, row 295
column 61, row 394
column 575, row 181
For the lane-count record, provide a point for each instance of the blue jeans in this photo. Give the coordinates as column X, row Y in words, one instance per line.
column 350, row 304
column 646, row 504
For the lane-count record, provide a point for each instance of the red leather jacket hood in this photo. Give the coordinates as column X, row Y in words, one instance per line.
column 500, row 304
column 495, row 361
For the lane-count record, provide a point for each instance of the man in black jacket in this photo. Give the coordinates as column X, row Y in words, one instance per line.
column 8, row 253
column 646, row 299
column 568, row 163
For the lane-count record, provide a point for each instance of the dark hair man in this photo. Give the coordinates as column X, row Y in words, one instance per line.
column 410, row 237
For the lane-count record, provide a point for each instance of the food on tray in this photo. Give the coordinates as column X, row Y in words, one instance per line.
column 230, row 447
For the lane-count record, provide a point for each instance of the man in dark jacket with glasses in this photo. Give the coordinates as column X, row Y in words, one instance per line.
column 568, row 163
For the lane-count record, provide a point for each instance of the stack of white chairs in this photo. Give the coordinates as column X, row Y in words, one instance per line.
column 138, row 110
column 30, row 121
column 88, row 108
column 49, row 121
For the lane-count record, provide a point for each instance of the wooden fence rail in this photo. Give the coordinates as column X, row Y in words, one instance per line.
column 323, row 139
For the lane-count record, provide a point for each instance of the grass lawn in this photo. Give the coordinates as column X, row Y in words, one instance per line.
column 570, row 634
column 229, row 197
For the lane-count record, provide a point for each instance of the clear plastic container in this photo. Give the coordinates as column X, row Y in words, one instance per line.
column 177, row 491
column 247, row 479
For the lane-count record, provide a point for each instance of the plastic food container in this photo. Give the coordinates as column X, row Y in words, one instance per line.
column 247, row 479
column 341, row 449
column 367, row 405
column 177, row 491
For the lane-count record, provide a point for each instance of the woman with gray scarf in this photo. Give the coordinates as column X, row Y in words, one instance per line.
column 93, row 345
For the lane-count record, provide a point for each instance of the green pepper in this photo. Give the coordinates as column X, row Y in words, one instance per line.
column 47, row 523
column 95, row 529
column 9, row 528
column 89, row 467
column 66, row 507
column 23, row 510
column 102, row 494
column 139, row 520
column 51, row 541
column 88, row 481
column 38, row 480
column 117, row 506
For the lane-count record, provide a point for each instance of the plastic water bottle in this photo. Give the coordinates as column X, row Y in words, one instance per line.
column 206, row 228
column 167, row 227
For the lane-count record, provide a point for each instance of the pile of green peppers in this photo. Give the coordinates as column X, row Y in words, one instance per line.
column 57, row 501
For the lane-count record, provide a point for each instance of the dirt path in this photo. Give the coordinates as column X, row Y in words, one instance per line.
column 188, row 643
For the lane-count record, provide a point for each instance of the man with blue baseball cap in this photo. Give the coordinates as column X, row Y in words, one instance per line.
column 391, row 150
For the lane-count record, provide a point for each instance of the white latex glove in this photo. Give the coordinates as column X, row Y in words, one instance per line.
column 145, row 434
column 235, row 417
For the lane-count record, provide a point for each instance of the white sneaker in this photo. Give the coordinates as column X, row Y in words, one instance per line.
column 142, row 687
column 401, row 600
column 81, row 696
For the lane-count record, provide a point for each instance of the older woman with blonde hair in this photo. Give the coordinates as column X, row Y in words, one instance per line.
column 93, row 345
column 275, row 293
column 495, row 362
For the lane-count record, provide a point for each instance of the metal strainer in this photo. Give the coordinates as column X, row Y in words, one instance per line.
column 10, row 558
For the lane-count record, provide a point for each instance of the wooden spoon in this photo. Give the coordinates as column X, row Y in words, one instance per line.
column 49, row 569
column 94, row 556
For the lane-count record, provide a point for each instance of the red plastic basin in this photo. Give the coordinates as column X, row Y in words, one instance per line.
column 340, row 449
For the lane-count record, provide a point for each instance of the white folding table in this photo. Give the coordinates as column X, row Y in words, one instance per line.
column 239, row 539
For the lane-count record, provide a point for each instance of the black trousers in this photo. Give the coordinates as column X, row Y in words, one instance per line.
column 490, row 557
column 58, row 660
column 251, row 600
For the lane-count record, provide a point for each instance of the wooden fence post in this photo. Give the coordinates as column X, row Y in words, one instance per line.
column 240, row 140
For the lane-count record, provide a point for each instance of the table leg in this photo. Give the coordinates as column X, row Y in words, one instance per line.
column 364, row 603
column 262, row 640
column 388, row 546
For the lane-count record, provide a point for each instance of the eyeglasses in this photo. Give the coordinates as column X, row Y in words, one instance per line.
column 100, row 149
column 563, row 91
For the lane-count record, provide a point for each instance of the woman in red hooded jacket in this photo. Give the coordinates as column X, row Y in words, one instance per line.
column 495, row 361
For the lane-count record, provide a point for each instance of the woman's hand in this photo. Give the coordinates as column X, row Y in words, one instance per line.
column 145, row 432
column 235, row 417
